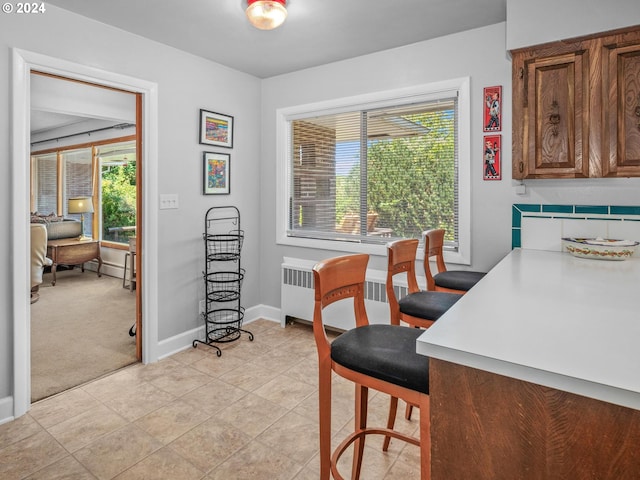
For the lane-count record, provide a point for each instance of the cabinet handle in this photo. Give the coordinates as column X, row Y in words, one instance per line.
column 521, row 167
column 521, row 73
column 637, row 110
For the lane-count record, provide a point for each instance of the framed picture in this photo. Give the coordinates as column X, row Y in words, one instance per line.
column 492, row 119
column 216, row 129
column 491, row 156
column 216, row 173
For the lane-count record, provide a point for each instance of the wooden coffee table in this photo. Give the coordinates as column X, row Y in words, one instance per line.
column 72, row 251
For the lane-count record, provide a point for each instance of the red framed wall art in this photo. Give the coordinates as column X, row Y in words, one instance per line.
column 492, row 169
column 492, row 119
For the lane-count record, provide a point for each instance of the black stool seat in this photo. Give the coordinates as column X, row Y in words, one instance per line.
column 385, row 352
column 427, row 304
column 458, row 279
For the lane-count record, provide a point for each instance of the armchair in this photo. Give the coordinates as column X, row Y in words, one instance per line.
column 38, row 257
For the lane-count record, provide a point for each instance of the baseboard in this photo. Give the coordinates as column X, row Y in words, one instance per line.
column 265, row 312
column 6, row 410
column 182, row 341
column 110, row 269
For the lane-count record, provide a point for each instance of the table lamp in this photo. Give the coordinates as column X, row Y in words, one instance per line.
column 81, row 205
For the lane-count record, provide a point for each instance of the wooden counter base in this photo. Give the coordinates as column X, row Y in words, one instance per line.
column 488, row 426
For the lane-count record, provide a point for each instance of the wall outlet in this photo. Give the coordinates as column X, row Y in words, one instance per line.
column 201, row 307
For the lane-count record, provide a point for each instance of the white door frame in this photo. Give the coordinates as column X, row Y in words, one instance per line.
column 23, row 62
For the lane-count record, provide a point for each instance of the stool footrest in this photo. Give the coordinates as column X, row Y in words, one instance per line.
column 387, row 432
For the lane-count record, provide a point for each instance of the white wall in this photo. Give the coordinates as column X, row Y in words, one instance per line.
column 185, row 84
column 532, row 23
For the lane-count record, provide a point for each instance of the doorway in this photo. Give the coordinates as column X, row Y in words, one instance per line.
column 84, row 141
column 23, row 63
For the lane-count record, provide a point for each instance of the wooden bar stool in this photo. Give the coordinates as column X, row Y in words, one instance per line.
column 456, row 281
column 382, row 357
column 419, row 308
column 130, row 255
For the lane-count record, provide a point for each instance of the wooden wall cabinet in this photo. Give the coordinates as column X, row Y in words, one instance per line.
column 621, row 112
column 576, row 108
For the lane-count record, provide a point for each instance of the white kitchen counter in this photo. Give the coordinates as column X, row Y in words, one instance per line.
column 552, row 319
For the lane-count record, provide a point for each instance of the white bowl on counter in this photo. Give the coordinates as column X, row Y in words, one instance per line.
column 600, row 248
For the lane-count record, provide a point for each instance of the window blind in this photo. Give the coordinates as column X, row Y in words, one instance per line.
column 369, row 175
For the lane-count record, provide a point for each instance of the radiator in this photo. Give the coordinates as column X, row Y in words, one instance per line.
column 297, row 296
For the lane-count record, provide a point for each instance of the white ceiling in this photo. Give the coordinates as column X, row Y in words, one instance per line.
column 316, row 32
column 45, row 121
column 61, row 108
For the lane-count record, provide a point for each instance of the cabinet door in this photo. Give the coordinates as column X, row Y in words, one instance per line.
column 554, row 92
column 621, row 125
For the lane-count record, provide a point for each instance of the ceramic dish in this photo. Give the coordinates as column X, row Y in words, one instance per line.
column 600, row 248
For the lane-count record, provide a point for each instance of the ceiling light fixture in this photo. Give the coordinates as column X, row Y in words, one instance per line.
column 266, row 14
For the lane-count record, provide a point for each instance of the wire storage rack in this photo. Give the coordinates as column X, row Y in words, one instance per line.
column 223, row 276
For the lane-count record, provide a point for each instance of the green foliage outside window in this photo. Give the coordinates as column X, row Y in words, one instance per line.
column 410, row 180
column 118, row 202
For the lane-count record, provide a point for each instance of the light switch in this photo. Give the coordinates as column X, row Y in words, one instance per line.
column 168, row 201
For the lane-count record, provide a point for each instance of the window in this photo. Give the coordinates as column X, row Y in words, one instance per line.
column 77, row 183
column 67, row 172
column 358, row 172
column 46, row 185
column 118, row 191
column 73, row 172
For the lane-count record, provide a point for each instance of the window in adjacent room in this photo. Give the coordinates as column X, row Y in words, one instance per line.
column 105, row 171
column 77, row 182
column 45, row 177
column 118, row 191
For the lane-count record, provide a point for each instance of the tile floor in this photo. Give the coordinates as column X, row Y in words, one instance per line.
column 250, row 414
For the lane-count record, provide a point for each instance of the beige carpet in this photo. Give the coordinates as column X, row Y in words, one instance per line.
column 79, row 331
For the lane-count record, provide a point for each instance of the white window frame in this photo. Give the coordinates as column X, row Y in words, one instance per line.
column 421, row 93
